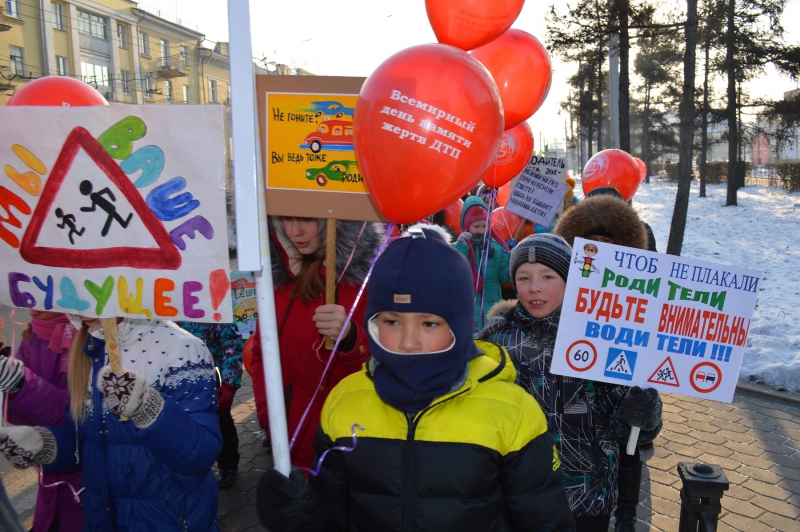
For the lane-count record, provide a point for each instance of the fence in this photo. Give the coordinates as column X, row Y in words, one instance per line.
column 784, row 175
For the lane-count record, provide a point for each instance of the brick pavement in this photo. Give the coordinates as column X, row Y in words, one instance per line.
column 756, row 441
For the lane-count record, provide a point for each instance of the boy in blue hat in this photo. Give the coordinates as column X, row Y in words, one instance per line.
column 449, row 442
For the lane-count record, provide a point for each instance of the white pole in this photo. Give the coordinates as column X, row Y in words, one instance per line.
column 252, row 238
column 613, row 82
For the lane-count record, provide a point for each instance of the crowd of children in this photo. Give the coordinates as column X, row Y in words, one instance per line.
column 440, row 391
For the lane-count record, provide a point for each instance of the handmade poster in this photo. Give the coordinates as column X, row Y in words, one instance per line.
column 115, row 211
column 536, row 197
column 555, row 167
column 245, row 305
column 639, row 318
column 310, row 142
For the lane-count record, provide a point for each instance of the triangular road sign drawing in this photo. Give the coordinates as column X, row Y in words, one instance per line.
column 165, row 256
column 665, row 374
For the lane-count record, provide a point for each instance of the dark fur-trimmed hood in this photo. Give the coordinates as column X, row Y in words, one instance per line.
column 347, row 236
column 606, row 212
column 501, row 307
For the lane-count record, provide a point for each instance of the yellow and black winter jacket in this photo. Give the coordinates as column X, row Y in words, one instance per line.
column 478, row 459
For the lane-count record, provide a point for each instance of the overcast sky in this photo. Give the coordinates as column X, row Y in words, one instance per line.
column 352, row 37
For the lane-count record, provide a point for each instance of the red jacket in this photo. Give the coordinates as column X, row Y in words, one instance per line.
column 302, row 366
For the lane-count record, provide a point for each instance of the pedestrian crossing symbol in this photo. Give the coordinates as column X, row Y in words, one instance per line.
column 665, row 374
column 620, row 364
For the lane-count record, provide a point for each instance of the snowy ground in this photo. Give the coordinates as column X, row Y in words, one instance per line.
column 762, row 233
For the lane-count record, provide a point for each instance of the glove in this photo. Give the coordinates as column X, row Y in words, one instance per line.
column 225, row 394
column 285, row 504
column 465, row 237
column 128, row 394
column 24, row 446
column 12, row 374
column 640, row 408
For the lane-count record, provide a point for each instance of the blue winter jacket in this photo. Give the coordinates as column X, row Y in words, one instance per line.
column 158, row 478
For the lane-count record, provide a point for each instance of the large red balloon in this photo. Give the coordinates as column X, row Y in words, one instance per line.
column 642, row 169
column 467, row 24
column 503, row 194
column 507, row 223
column 452, row 215
column 520, row 66
column 428, row 122
column 612, row 168
column 516, row 148
column 58, row 91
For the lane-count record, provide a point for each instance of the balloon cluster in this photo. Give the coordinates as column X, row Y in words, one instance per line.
column 614, row 168
column 432, row 120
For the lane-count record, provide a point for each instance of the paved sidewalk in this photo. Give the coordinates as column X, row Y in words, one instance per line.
column 756, row 441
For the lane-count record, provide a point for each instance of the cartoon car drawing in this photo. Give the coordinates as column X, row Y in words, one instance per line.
column 246, row 310
column 334, row 171
column 331, row 133
column 331, row 109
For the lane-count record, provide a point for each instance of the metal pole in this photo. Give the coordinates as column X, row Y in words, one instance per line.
column 252, row 236
column 613, row 82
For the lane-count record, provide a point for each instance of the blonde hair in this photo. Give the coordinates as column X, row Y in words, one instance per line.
column 78, row 375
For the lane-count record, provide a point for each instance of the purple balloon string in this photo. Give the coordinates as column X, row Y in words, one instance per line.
column 75, row 494
column 378, row 253
column 342, row 448
column 484, row 259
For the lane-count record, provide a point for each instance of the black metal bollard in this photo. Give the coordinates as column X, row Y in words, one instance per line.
column 701, row 494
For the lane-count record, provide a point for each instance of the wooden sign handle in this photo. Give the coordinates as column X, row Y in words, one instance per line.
column 519, row 229
column 112, row 347
column 330, row 273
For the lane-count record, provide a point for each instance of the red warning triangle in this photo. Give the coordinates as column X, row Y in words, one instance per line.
column 166, row 256
column 665, row 374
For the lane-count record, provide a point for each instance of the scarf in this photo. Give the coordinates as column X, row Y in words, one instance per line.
column 59, row 332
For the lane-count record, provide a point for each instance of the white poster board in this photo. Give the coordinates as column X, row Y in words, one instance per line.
column 555, row 167
column 647, row 319
column 115, row 211
column 536, row 197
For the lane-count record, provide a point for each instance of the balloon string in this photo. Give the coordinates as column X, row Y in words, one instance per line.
column 389, row 229
column 342, row 448
column 75, row 494
column 12, row 355
column 487, row 243
column 350, row 259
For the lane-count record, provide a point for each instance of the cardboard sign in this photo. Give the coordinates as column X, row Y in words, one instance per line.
column 646, row 319
column 536, row 196
column 245, row 304
column 555, row 167
column 310, row 168
column 115, row 211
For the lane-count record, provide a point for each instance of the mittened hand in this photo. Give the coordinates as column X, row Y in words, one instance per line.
column 465, row 237
column 641, row 408
column 12, row 374
column 124, row 390
column 285, row 504
column 225, row 394
column 24, row 446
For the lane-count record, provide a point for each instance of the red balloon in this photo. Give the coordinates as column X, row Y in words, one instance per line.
column 428, row 122
column 642, row 169
column 452, row 215
column 467, row 24
column 247, row 355
column 503, row 193
column 516, row 148
column 507, row 223
column 58, row 91
column 612, row 168
column 520, row 65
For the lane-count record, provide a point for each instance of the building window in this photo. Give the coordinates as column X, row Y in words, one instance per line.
column 62, row 67
column 164, row 53
column 184, row 56
column 186, row 93
column 122, row 36
column 91, row 24
column 96, row 74
column 168, row 90
column 125, row 79
column 12, row 8
column 58, row 16
column 212, row 91
column 16, row 61
column 147, row 86
column 144, row 44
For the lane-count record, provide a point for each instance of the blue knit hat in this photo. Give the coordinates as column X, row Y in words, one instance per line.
column 422, row 273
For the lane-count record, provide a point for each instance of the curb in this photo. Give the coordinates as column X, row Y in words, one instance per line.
column 765, row 392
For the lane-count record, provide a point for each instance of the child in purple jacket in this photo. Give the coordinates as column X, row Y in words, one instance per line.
column 36, row 382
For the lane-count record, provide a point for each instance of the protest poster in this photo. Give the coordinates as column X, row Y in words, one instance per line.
column 306, row 125
column 536, row 197
column 639, row 318
column 555, row 167
column 245, row 304
column 115, row 211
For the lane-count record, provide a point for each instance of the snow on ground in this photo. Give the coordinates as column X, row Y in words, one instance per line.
column 762, row 233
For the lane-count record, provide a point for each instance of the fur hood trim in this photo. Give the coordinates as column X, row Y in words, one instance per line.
column 347, row 236
column 431, row 227
column 607, row 212
column 501, row 307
